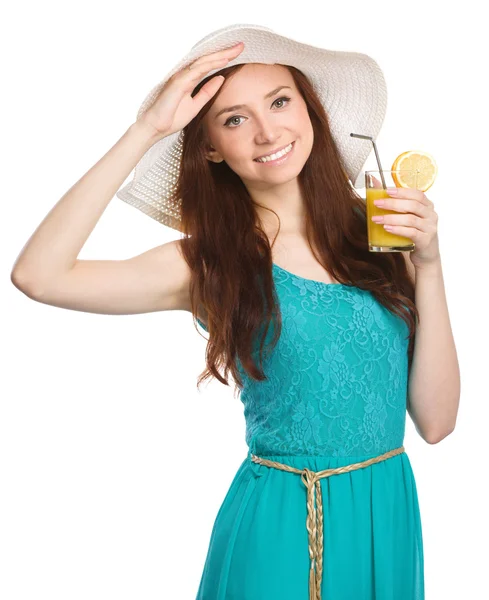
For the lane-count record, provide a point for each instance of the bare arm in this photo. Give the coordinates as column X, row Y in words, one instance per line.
column 434, row 381
column 48, row 271
column 53, row 248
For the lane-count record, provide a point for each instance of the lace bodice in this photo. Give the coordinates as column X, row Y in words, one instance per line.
column 337, row 378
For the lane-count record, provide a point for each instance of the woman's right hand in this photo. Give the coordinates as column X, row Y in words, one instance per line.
column 174, row 107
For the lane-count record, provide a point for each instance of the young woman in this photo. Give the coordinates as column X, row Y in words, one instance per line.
column 257, row 169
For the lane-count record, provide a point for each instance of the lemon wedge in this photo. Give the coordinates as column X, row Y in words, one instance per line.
column 422, row 166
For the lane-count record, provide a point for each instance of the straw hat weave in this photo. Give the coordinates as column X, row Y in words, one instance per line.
column 350, row 85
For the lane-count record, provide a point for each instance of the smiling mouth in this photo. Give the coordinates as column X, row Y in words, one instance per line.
column 275, row 152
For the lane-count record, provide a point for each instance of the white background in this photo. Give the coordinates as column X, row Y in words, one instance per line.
column 113, row 466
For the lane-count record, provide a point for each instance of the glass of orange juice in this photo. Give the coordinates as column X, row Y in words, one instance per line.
column 380, row 240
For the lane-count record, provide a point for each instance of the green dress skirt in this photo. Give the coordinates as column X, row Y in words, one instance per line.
column 335, row 395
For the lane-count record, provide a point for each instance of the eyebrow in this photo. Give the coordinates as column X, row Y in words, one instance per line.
column 237, row 106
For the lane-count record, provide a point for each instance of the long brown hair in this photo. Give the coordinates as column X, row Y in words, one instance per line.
column 230, row 257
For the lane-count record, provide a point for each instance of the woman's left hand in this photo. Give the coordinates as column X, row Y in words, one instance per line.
column 416, row 220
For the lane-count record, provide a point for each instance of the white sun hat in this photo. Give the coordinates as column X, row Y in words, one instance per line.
column 350, row 85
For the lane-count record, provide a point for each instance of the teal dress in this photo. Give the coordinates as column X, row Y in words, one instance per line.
column 336, row 394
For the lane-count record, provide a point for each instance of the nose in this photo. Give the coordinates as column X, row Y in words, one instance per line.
column 267, row 140
column 267, row 132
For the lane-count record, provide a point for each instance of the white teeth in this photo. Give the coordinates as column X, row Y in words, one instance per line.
column 286, row 150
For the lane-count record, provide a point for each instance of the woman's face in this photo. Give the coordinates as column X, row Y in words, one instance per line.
column 263, row 124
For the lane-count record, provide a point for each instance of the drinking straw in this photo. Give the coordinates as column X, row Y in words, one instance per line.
column 369, row 137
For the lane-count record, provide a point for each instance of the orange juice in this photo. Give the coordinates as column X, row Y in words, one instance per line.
column 377, row 235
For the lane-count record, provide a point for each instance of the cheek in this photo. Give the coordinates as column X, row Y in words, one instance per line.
column 307, row 132
column 304, row 121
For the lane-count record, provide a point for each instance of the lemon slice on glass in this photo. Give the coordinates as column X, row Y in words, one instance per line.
column 422, row 166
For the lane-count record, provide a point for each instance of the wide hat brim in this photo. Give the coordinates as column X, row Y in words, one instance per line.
column 350, row 85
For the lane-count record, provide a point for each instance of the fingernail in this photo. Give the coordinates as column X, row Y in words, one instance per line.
column 392, row 191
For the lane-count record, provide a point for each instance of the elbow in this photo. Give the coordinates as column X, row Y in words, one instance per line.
column 431, row 430
column 437, row 437
column 24, row 285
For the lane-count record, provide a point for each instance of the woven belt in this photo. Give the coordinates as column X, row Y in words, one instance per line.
column 314, row 521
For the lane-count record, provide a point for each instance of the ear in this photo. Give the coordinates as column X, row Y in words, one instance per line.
column 212, row 154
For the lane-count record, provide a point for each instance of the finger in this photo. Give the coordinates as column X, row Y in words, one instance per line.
column 409, row 193
column 409, row 232
column 196, row 70
column 403, row 205
column 193, row 68
column 227, row 52
column 377, row 182
column 206, row 92
column 407, row 221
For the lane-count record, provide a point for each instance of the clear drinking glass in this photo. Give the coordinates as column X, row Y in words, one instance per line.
column 380, row 240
